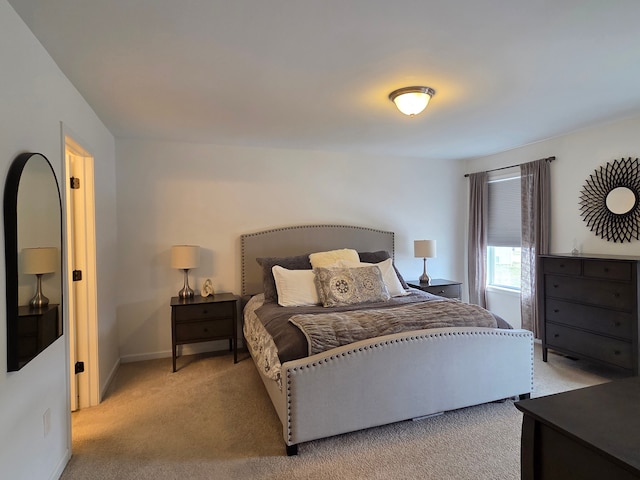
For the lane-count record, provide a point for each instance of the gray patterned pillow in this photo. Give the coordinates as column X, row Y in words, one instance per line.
column 349, row 286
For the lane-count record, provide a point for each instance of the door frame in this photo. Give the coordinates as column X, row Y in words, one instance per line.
column 84, row 339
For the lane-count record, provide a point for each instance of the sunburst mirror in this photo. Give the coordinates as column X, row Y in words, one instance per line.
column 609, row 201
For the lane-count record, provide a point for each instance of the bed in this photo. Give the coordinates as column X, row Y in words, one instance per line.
column 369, row 382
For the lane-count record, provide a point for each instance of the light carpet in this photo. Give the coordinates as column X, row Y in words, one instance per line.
column 213, row 420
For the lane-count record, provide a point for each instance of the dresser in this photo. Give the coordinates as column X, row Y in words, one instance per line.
column 589, row 308
column 440, row 287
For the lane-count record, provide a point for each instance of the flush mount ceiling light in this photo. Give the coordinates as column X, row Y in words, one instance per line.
column 412, row 100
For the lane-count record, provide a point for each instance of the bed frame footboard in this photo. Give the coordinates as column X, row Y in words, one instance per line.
column 399, row 377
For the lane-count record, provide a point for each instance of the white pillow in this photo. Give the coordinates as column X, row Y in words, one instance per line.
column 389, row 276
column 295, row 287
column 327, row 259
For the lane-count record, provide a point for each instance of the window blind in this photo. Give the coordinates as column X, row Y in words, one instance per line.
column 504, row 213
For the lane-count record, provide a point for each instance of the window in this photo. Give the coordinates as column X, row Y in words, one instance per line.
column 503, row 233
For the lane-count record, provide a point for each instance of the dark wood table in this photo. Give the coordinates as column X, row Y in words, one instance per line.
column 589, row 433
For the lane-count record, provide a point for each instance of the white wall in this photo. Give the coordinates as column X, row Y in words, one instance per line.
column 577, row 156
column 34, row 98
column 170, row 193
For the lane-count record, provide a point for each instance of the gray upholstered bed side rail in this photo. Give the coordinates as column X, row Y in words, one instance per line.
column 298, row 240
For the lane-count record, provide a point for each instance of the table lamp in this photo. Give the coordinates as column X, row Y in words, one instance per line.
column 39, row 261
column 424, row 249
column 185, row 257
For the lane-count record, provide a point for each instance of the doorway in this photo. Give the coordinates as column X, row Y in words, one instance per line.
column 78, row 179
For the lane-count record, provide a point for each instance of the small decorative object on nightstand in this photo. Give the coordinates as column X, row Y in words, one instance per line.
column 424, row 249
column 440, row 287
column 203, row 319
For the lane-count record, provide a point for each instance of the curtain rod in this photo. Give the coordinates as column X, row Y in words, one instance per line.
column 548, row 159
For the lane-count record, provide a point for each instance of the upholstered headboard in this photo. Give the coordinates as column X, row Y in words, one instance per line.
column 298, row 240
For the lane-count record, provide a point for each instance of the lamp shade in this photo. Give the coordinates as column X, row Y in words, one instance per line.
column 39, row 260
column 185, row 256
column 412, row 100
column 424, row 248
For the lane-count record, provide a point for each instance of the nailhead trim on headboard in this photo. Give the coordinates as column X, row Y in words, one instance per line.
column 244, row 237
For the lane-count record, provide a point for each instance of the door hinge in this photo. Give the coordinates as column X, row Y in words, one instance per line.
column 75, row 183
column 79, row 367
column 77, row 275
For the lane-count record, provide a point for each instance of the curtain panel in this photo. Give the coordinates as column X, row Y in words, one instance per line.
column 477, row 247
column 536, row 235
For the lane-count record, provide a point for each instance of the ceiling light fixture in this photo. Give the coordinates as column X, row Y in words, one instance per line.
column 412, row 100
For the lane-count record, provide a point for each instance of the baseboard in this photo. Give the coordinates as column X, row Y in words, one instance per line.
column 57, row 473
column 190, row 349
column 110, row 378
column 141, row 357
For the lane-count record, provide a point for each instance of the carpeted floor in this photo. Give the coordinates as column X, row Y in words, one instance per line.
column 213, row 420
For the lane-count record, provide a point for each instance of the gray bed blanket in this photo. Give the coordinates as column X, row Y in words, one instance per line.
column 292, row 343
column 325, row 331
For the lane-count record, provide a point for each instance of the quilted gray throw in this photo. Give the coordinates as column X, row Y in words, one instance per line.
column 333, row 329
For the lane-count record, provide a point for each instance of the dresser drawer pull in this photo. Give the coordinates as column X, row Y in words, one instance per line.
column 555, row 285
column 556, row 335
column 441, row 291
column 616, row 352
column 606, row 270
column 617, row 324
column 556, row 310
column 205, row 312
column 617, row 295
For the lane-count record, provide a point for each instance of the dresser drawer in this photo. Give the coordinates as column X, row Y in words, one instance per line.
column 600, row 320
column 594, row 292
column 609, row 270
column 616, row 352
column 204, row 311
column 204, row 330
column 567, row 266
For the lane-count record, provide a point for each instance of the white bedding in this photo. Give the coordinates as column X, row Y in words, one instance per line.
column 259, row 342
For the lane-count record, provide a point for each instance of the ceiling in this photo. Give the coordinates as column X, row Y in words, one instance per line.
column 316, row 74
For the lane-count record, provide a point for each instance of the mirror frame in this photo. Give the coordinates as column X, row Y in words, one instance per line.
column 11, row 190
column 612, row 226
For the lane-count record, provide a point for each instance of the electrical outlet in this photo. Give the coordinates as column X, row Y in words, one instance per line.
column 46, row 421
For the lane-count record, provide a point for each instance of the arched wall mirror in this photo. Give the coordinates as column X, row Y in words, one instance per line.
column 33, row 257
column 609, row 201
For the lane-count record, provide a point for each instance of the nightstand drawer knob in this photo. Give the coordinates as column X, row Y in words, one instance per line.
column 556, row 310
column 557, row 335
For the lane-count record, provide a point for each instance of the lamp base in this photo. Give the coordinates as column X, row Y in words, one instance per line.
column 187, row 291
column 424, row 278
column 38, row 300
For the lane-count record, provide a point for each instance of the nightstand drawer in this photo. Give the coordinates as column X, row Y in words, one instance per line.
column 204, row 330
column 187, row 313
column 448, row 291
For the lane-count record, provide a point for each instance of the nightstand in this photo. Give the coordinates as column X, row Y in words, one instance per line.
column 203, row 319
column 440, row 287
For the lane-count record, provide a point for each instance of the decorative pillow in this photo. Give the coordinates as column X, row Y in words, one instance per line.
column 326, row 259
column 299, row 262
column 349, row 286
column 389, row 276
column 295, row 287
column 377, row 257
